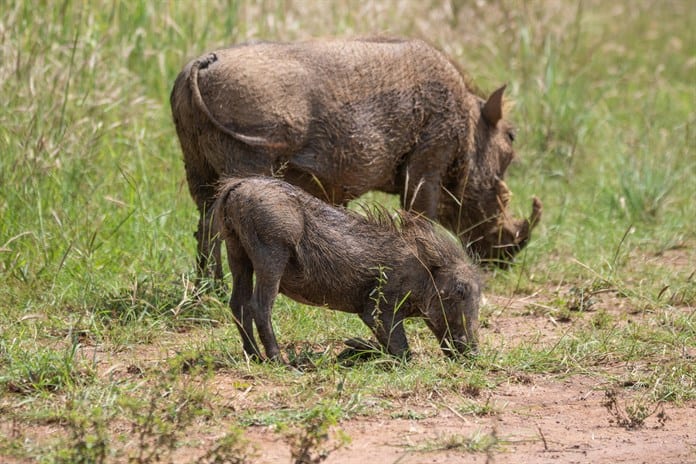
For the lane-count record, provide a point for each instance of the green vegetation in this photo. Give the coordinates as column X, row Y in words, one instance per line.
column 478, row 442
column 103, row 336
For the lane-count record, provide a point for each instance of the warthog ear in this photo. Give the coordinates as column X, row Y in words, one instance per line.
column 492, row 110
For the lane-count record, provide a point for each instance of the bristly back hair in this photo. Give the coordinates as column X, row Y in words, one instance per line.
column 434, row 245
column 380, row 215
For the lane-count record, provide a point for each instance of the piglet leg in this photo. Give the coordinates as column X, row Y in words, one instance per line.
column 388, row 327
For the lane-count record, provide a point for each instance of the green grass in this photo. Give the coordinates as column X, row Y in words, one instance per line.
column 96, row 246
column 478, row 442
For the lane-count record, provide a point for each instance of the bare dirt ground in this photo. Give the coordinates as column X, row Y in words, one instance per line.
column 543, row 422
column 538, row 419
column 535, row 418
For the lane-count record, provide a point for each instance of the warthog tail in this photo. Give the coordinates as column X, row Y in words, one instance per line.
column 251, row 140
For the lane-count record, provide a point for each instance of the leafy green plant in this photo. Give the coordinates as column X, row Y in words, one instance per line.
column 232, row 448
column 89, row 438
column 159, row 419
column 315, row 438
column 632, row 415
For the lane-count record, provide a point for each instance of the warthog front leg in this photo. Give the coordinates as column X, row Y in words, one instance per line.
column 388, row 327
column 422, row 177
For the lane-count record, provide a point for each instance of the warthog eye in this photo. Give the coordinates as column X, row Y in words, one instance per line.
column 511, row 135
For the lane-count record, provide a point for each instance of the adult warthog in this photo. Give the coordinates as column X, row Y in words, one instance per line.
column 341, row 117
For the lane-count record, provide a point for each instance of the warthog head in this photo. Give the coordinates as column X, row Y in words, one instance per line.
column 484, row 224
column 453, row 311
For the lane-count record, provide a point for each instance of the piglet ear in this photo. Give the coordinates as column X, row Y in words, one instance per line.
column 492, row 110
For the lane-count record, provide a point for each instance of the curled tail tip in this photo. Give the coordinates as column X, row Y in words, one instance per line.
column 204, row 62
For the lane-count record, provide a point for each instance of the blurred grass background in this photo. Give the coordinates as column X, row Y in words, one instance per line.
column 93, row 193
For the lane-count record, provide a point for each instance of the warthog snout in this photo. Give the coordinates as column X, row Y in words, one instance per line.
column 453, row 315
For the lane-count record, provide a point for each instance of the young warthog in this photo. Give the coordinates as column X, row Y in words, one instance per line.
column 380, row 268
column 339, row 118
